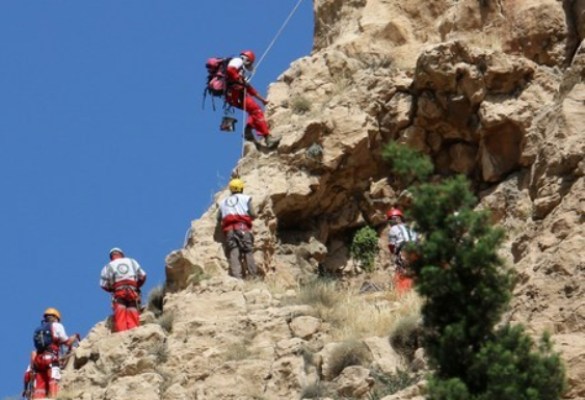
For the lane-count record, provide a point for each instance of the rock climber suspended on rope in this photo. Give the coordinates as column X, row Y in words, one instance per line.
column 230, row 78
column 240, row 94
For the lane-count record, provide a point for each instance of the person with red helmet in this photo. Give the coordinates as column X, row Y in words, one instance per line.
column 45, row 372
column 398, row 236
column 123, row 277
column 241, row 94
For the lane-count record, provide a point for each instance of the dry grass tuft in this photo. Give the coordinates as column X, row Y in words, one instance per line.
column 359, row 316
column 346, row 354
column 155, row 300
column 404, row 337
column 166, row 321
column 320, row 293
column 385, row 385
column 351, row 315
column 269, row 283
column 300, row 105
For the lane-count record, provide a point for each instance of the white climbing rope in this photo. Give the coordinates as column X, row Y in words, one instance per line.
column 274, row 39
column 284, row 24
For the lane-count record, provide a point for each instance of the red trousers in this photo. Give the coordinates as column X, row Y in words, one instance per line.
column 126, row 315
column 402, row 283
column 256, row 118
column 45, row 384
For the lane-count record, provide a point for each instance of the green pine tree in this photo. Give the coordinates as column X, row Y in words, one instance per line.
column 466, row 289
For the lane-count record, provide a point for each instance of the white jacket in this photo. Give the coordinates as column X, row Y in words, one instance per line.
column 123, row 271
column 399, row 235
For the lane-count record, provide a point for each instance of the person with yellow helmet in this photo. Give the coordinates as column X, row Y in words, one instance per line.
column 48, row 339
column 236, row 214
column 123, row 277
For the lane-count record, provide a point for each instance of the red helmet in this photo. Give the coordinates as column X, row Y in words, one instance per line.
column 249, row 54
column 394, row 212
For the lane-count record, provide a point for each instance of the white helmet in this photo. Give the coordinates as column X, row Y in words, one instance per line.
column 116, row 250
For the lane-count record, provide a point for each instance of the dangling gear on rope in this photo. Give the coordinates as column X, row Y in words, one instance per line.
column 228, row 124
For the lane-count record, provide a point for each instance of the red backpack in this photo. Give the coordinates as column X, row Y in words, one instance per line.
column 216, row 85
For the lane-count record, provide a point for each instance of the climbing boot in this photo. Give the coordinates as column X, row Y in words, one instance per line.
column 249, row 134
column 271, row 142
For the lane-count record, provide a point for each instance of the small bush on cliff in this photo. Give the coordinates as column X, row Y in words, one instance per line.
column 300, row 105
column 404, row 337
column 386, row 385
column 364, row 247
column 155, row 300
column 166, row 321
column 319, row 293
column 346, row 354
column 466, row 289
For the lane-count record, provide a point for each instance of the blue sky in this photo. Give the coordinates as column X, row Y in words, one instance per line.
column 103, row 142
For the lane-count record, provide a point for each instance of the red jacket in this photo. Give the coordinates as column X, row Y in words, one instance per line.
column 235, row 76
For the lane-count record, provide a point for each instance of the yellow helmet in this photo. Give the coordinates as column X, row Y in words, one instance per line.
column 52, row 311
column 236, row 185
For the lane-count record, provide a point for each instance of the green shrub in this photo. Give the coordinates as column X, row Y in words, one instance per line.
column 364, row 247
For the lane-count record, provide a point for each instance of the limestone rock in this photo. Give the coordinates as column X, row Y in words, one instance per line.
column 354, row 382
column 304, row 327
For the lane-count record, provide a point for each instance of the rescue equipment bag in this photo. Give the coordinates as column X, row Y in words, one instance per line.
column 216, row 76
column 42, row 337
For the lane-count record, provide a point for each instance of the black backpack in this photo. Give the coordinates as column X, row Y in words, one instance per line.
column 43, row 337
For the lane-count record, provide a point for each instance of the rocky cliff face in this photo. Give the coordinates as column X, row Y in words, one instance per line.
column 493, row 89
